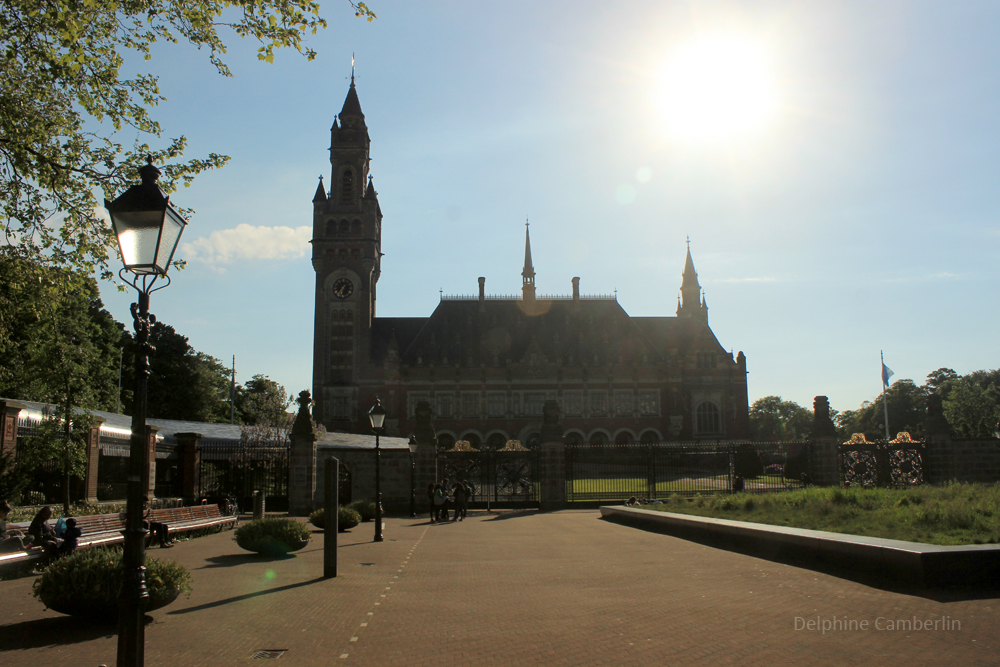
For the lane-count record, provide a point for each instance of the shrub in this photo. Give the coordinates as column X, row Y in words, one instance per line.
column 347, row 518
column 272, row 537
column 366, row 508
column 87, row 583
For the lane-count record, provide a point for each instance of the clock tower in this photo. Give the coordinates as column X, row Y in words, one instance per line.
column 346, row 255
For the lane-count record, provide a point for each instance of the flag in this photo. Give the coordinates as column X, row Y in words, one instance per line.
column 886, row 374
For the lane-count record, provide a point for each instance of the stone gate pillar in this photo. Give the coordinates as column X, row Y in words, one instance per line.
column 824, row 463
column 425, row 452
column 93, row 460
column 9, row 410
column 302, row 461
column 552, row 463
column 939, row 465
column 190, row 446
column 150, row 473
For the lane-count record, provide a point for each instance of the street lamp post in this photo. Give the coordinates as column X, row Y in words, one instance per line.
column 148, row 228
column 377, row 417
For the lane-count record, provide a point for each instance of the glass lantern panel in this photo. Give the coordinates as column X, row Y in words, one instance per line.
column 138, row 233
column 173, row 225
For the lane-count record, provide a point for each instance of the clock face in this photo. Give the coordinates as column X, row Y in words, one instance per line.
column 343, row 288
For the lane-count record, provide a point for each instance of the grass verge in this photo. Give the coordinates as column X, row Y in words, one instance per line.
column 947, row 515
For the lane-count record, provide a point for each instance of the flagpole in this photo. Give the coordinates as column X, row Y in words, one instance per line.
column 885, row 406
column 232, row 394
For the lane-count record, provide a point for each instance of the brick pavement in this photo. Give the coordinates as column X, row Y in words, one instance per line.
column 511, row 589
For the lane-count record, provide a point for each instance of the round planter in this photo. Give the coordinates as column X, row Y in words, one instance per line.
column 104, row 611
column 272, row 547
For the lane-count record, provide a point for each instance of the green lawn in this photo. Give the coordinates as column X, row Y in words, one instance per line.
column 950, row 514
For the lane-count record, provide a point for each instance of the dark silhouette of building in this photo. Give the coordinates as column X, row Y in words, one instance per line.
column 487, row 364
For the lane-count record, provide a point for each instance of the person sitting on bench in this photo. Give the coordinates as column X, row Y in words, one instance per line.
column 161, row 530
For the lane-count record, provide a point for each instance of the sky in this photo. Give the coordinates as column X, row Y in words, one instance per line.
column 834, row 164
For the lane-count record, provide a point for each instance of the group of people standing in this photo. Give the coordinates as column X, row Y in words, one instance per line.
column 443, row 497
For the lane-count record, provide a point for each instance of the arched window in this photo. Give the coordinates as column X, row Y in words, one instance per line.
column 598, row 439
column 496, row 441
column 347, row 187
column 648, row 438
column 707, row 418
column 624, row 438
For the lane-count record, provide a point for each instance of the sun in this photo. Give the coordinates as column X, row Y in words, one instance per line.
column 715, row 87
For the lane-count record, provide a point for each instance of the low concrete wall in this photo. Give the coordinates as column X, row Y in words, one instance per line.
column 895, row 561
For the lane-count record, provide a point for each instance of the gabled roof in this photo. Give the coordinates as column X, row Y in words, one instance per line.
column 398, row 331
column 678, row 333
column 592, row 331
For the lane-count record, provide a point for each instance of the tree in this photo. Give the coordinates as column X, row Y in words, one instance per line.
column 907, row 404
column 262, row 401
column 774, row 419
column 972, row 404
column 183, row 383
column 64, row 104
column 55, row 336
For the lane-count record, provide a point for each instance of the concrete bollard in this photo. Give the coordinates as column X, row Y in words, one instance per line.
column 258, row 505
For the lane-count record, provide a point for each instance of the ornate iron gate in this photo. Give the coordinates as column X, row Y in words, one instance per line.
column 898, row 462
column 505, row 479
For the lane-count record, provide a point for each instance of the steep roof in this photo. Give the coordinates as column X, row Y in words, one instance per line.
column 352, row 105
column 398, row 331
column 592, row 331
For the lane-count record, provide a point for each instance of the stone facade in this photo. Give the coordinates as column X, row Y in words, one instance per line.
column 487, row 365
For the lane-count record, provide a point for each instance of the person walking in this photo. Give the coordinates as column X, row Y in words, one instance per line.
column 430, row 502
column 438, row 503
column 459, row 493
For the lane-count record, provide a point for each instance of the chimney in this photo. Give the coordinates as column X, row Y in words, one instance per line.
column 576, row 290
column 482, row 294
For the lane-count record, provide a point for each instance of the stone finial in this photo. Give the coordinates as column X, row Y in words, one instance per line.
column 822, row 424
column 303, row 426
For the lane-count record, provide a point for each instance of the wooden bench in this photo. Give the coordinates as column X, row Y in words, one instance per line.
column 106, row 529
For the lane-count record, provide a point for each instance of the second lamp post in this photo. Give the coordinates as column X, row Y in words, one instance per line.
column 377, row 417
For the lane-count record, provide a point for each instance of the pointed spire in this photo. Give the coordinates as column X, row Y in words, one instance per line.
column 528, row 273
column 692, row 303
column 352, row 105
column 320, row 192
column 370, row 191
column 529, row 270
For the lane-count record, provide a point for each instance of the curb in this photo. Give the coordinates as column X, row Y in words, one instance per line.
column 892, row 561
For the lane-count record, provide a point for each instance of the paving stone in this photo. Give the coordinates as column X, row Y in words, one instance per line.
column 517, row 588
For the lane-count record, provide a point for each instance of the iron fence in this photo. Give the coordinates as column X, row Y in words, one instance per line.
column 238, row 468
column 616, row 472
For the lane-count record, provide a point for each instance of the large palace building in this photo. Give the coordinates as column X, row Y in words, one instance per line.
column 488, row 364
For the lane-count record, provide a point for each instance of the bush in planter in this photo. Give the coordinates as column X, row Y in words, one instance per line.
column 272, row 537
column 365, row 508
column 86, row 583
column 346, row 519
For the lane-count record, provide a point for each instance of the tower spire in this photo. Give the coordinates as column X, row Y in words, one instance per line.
column 691, row 292
column 528, row 272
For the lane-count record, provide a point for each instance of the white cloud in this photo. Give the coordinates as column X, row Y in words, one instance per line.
column 248, row 242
